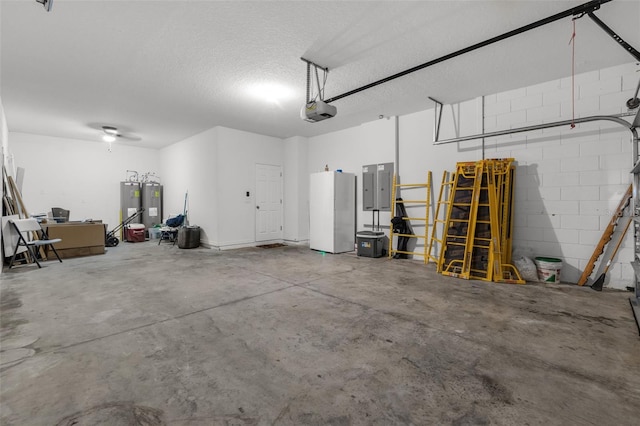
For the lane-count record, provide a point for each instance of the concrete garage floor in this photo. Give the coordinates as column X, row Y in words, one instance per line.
column 153, row 335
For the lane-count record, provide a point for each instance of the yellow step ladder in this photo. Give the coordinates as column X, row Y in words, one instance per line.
column 461, row 221
column 504, row 173
column 477, row 232
column 395, row 200
column 440, row 219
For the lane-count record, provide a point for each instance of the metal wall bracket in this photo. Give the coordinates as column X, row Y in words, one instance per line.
column 310, row 84
column 437, row 116
column 636, row 121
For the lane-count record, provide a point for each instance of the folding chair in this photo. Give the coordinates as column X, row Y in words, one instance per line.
column 169, row 234
column 24, row 228
column 169, row 231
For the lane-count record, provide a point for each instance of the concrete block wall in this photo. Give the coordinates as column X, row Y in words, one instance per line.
column 569, row 181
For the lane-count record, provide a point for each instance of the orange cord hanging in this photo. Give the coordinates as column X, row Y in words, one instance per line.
column 572, row 42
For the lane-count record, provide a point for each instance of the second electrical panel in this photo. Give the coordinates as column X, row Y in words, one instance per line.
column 376, row 186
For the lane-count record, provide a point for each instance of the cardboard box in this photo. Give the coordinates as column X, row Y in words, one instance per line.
column 76, row 252
column 78, row 238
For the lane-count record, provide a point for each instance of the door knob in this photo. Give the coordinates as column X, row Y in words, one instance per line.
column 258, row 207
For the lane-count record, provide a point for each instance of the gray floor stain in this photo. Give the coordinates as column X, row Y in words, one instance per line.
column 496, row 389
column 11, row 355
column 10, row 319
column 115, row 413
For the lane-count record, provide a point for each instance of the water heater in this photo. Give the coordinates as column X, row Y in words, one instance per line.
column 152, row 203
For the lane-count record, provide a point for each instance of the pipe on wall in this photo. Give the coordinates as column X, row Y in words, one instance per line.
column 397, row 142
column 615, row 119
column 483, row 146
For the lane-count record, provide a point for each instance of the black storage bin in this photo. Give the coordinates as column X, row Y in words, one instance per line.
column 189, row 237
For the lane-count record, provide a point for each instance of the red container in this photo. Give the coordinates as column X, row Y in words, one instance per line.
column 134, row 233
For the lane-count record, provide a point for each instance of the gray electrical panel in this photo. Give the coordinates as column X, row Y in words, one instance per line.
column 130, row 201
column 152, row 203
column 377, row 180
column 385, row 181
column 369, row 187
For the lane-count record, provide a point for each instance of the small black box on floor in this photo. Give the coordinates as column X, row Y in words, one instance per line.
column 370, row 243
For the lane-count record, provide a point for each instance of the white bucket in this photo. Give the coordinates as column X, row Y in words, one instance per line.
column 154, row 233
column 548, row 269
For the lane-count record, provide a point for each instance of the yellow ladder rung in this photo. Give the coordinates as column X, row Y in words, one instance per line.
column 408, row 252
column 454, row 274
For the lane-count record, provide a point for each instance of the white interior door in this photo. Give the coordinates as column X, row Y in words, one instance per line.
column 268, row 202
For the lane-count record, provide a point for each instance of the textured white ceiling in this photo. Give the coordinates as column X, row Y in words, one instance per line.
column 166, row 70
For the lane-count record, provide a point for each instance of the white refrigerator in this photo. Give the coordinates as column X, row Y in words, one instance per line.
column 332, row 212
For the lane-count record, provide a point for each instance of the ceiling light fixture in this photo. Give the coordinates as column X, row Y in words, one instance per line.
column 48, row 4
column 271, row 92
column 110, row 133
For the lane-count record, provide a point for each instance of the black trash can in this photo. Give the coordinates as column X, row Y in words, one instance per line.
column 189, row 237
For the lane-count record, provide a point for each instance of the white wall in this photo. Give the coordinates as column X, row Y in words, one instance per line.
column 190, row 166
column 4, row 133
column 239, row 152
column 296, row 182
column 217, row 168
column 374, row 143
column 81, row 176
column 4, row 143
column 349, row 150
